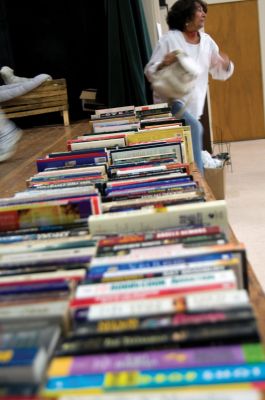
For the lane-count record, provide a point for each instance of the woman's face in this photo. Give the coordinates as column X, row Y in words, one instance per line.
column 199, row 18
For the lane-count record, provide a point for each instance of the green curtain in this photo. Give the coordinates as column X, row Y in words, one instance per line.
column 129, row 49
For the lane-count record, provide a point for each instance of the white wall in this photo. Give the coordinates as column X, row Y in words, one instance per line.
column 153, row 16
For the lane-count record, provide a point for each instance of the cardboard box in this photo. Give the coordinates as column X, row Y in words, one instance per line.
column 89, row 100
column 88, row 94
column 215, row 177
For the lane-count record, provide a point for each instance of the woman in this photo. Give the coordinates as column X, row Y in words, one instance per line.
column 185, row 20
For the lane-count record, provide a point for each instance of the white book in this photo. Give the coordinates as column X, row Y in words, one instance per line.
column 59, row 274
column 134, row 170
column 66, row 171
column 151, row 106
column 116, row 128
column 120, row 142
column 42, row 310
column 218, row 300
column 63, row 192
column 36, row 195
column 90, row 137
column 222, row 299
column 114, row 110
column 209, row 213
column 176, row 128
column 49, row 245
column 178, row 282
column 171, row 394
column 110, row 123
column 147, row 151
column 63, row 255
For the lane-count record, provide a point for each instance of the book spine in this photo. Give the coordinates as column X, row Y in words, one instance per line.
column 197, row 302
column 34, row 310
column 189, row 261
column 152, row 294
column 104, row 289
column 175, row 233
column 64, row 162
column 247, row 391
column 199, row 240
column 157, row 360
column 151, row 106
column 154, row 272
column 120, row 142
column 10, row 357
column 85, row 327
column 114, row 110
column 158, row 379
column 118, row 155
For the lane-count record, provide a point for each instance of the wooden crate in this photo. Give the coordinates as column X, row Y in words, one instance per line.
column 50, row 96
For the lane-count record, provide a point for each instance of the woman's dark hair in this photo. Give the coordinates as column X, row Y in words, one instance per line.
column 182, row 12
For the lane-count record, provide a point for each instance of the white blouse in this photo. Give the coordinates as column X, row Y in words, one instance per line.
column 206, row 54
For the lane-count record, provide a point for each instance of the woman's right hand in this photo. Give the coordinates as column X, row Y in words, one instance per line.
column 169, row 58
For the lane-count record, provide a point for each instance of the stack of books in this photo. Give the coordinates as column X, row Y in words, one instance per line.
column 45, row 249
column 163, row 311
column 113, row 256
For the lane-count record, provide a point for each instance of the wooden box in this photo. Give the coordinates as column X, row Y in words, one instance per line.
column 50, row 96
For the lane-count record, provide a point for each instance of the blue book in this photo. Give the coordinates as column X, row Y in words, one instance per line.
column 159, row 379
column 35, row 288
column 137, row 265
column 44, row 163
column 22, row 365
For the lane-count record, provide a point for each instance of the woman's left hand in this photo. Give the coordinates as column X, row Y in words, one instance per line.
column 224, row 60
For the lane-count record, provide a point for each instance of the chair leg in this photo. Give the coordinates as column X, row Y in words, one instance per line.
column 66, row 118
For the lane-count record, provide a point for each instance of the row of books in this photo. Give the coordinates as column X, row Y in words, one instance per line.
column 123, row 256
column 164, row 287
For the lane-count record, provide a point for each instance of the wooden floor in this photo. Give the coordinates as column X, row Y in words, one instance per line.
column 35, row 143
column 38, row 142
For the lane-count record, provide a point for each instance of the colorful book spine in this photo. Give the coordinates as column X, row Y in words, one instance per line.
column 158, row 379
column 47, row 213
column 157, row 360
column 83, row 327
column 195, row 302
column 169, row 234
column 213, row 281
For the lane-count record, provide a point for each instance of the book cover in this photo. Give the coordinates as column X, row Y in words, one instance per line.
column 181, row 216
column 22, row 365
column 54, row 212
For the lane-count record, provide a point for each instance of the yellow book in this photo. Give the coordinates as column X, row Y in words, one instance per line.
column 181, row 132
